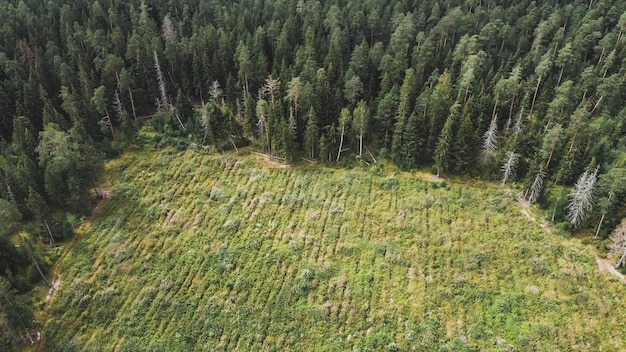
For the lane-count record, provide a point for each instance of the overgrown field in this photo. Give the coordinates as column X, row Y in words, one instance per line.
column 205, row 252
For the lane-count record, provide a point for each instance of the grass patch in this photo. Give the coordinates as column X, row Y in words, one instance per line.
column 210, row 252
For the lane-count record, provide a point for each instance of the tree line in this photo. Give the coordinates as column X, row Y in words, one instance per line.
column 530, row 92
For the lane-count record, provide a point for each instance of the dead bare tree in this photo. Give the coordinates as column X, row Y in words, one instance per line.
column 617, row 245
column 581, row 198
column 535, row 189
column 508, row 168
column 163, row 104
column 490, row 147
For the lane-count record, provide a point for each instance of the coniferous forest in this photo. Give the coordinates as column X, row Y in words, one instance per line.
column 527, row 94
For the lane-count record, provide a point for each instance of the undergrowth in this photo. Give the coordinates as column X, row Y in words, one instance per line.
column 206, row 252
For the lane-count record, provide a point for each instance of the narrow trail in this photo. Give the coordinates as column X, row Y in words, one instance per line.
column 57, row 279
column 603, row 264
column 272, row 162
column 56, row 282
column 525, row 206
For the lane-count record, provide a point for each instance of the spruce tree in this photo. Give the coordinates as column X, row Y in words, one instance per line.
column 311, row 134
column 444, row 142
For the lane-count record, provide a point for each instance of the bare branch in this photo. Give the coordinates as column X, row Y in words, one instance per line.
column 163, row 104
column 617, row 244
column 581, row 198
column 508, row 168
column 215, row 91
column 535, row 188
column 489, row 143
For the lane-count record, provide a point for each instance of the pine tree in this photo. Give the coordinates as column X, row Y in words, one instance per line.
column 407, row 98
column 444, row 143
column 311, row 134
column 414, row 135
column 386, row 113
column 183, row 109
column 288, row 142
column 550, row 142
column 294, row 92
column 264, row 134
column 463, row 148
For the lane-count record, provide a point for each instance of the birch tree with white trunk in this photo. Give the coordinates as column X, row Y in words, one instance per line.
column 344, row 120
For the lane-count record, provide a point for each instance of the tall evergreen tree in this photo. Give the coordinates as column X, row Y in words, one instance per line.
column 442, row 151
column 311, row 134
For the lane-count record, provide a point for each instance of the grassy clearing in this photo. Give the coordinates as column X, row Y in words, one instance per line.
column 224, row 253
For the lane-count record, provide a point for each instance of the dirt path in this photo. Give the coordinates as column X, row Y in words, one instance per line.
column 603, row 264
column 423, row 176
column 525, row 206
column 270, row 162
column 56, row 283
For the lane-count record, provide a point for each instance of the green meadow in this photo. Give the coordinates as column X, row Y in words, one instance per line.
column 199, row 251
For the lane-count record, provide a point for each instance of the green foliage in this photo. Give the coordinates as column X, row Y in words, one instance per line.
column 311, row 134
column 17, row 316
column 71, row 166
column 72, row 63
column 552, row 72
column 245, row 256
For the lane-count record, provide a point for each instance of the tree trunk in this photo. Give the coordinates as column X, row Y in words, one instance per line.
column 601, row 219
column 599, row 226
column 560, row 76
column 512, row 105
column 596, row 106
column 343, row 127
column 549, row 158
column 32, row 258
column 495, row 106
column 295, row 106
column 179, row 121
column 621, row 260
column 361, row 145
column 49, row 232
column 601, row 57
column 554, row 211
column 132, row 103
column 233, row 143
column 110, row 123
column 371, row 155
column 532, row 106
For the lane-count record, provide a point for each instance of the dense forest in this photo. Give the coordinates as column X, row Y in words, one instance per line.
column 530, row 92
